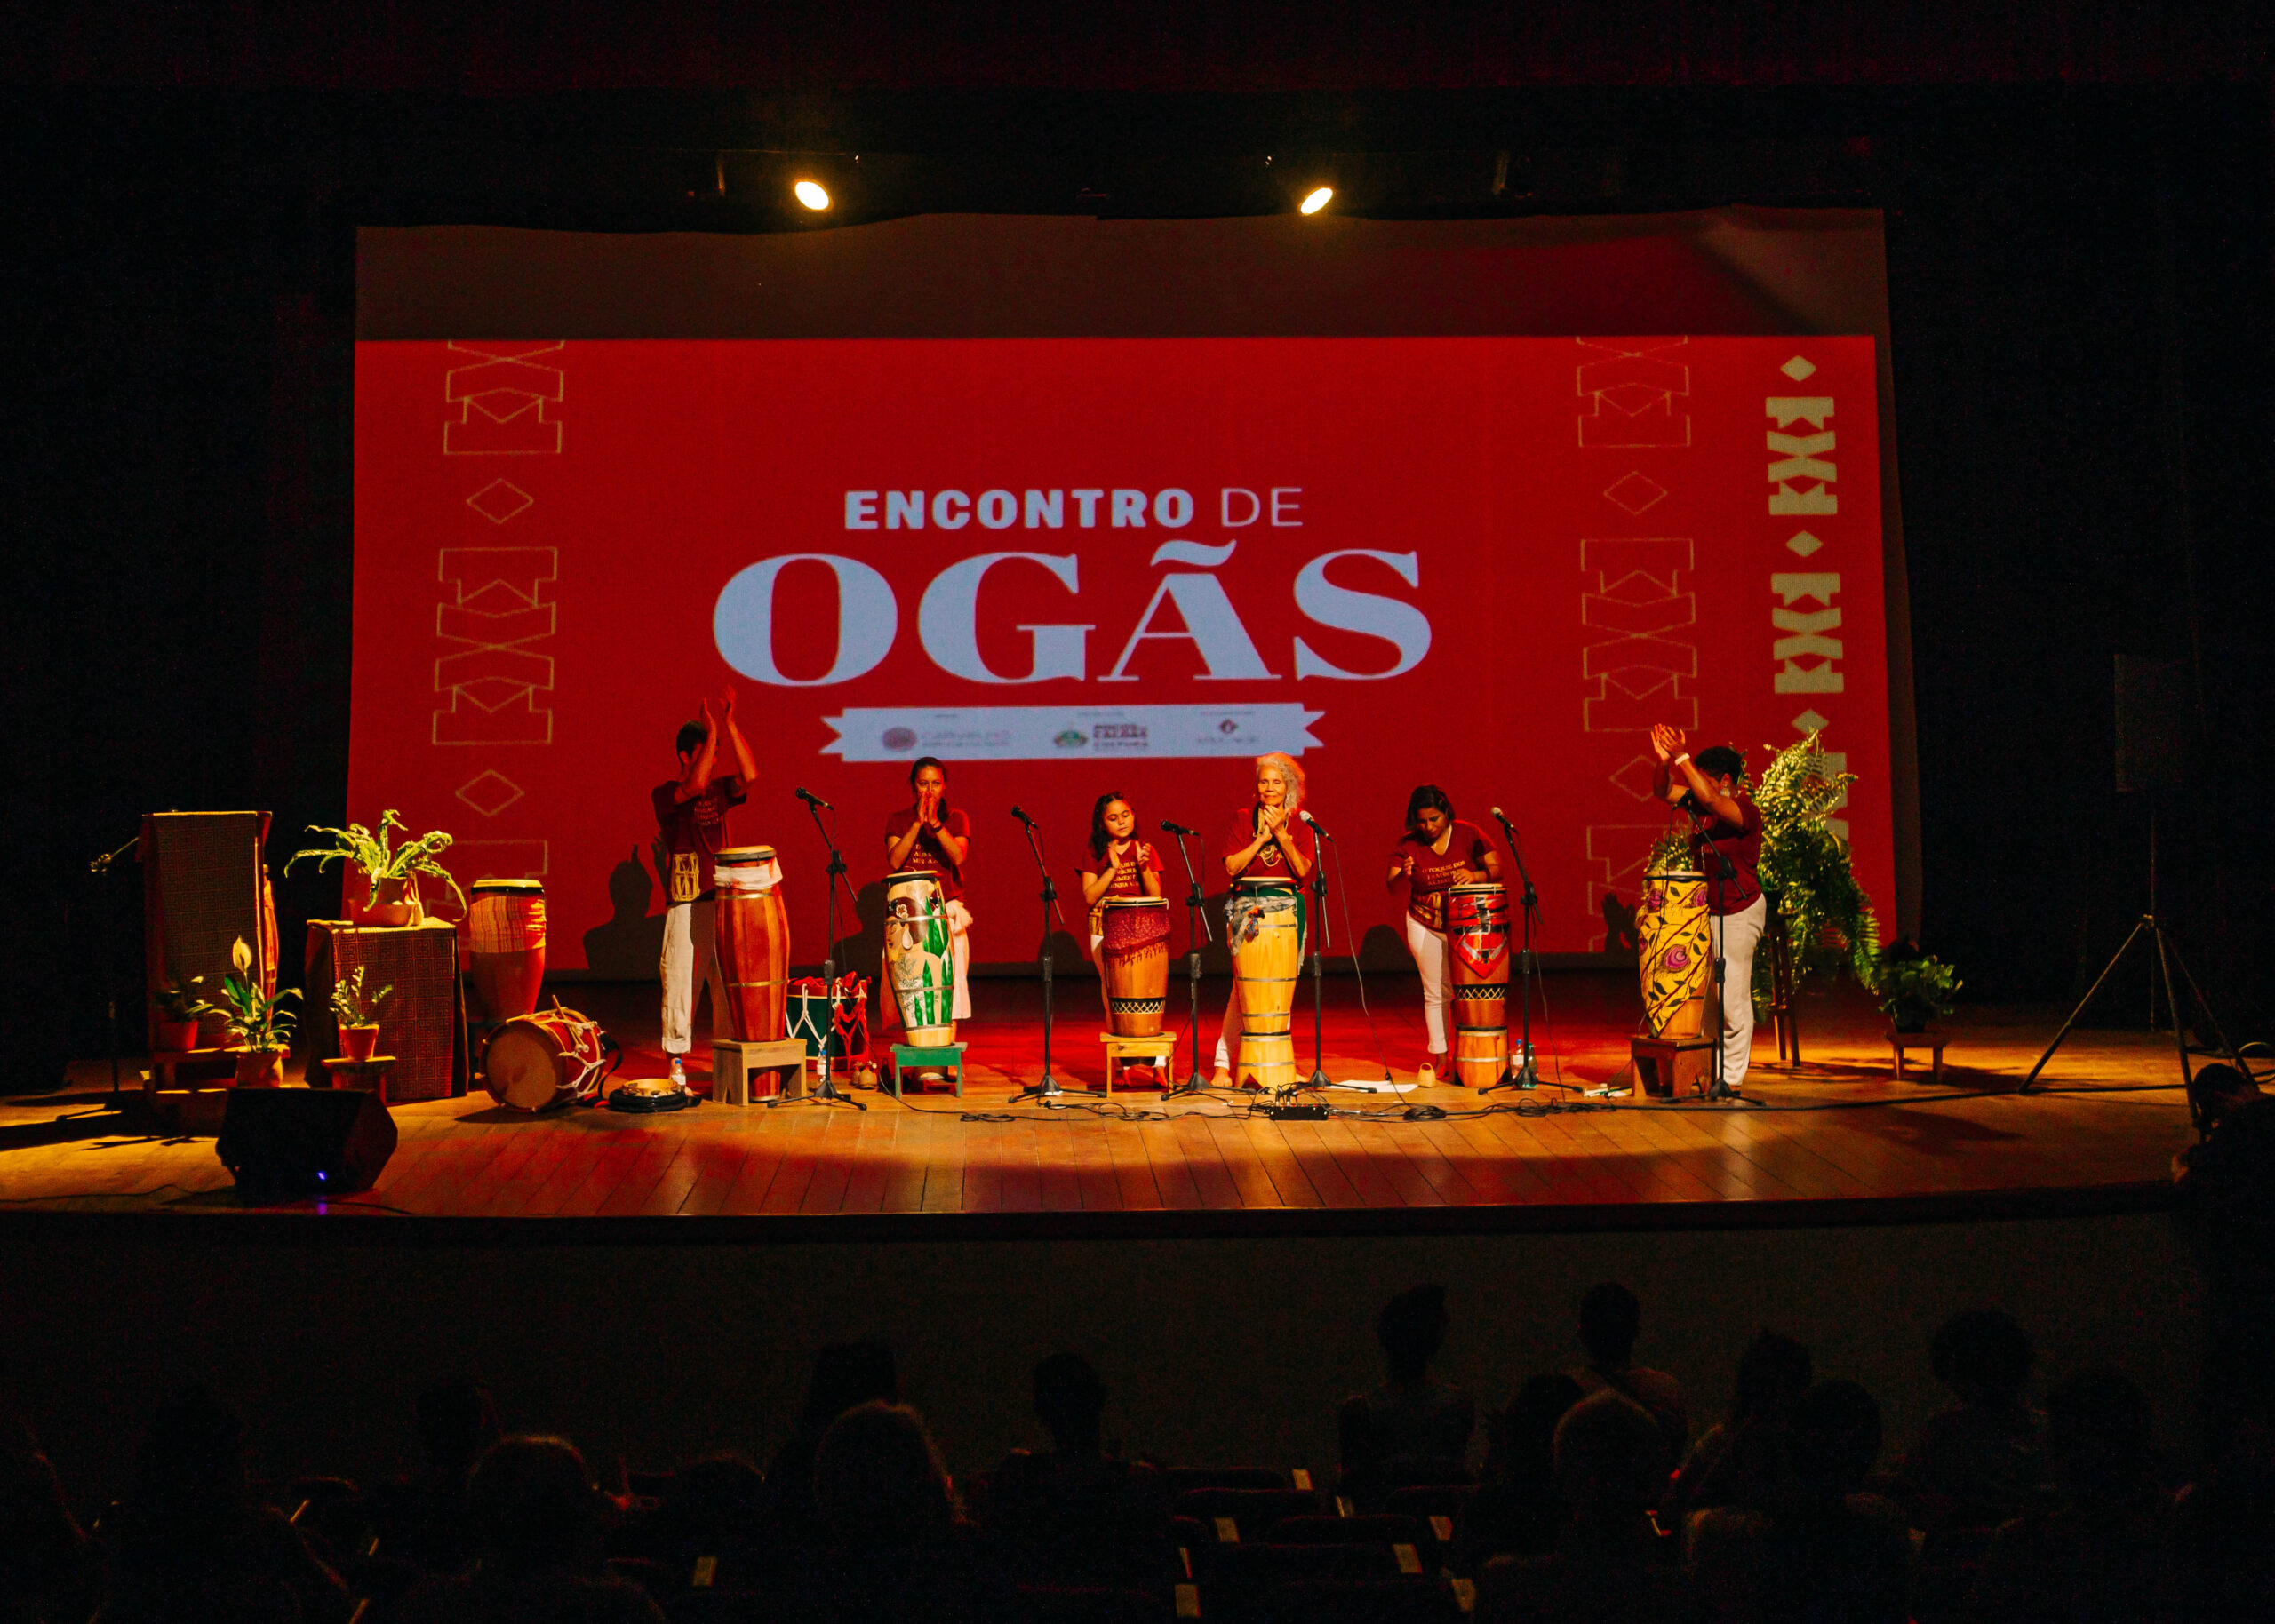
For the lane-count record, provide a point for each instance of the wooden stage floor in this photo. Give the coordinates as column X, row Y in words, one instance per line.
column 1826, row 1142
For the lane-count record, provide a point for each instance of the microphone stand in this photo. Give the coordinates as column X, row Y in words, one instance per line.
column 1719, row 870
column 1521, row 1072
column 1318, row 1079
column 1045, row 1088
column 825, row 1085
column 1196, row 932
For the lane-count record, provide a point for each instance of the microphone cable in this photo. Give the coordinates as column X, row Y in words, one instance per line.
column 1343, row 893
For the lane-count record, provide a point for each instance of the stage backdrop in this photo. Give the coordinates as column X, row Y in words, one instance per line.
column 1070, row 564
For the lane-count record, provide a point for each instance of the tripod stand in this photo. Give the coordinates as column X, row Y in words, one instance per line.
column 1196, row 932
column 1521, row 1073
column 1318, row 1079
column 1046, row 1087
column 2168, row 956
column 825, row 1085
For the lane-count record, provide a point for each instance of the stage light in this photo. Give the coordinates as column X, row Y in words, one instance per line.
column 1316, row 199
column 811, row 193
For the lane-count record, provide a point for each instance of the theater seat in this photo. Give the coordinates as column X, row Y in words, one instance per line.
column 1381, row 1529
column 1378, row 1601
column 1253, row 1513
column 1083, row 1604
column 1180, row 1479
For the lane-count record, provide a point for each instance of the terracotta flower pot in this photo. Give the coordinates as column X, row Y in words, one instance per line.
column 175, row 1037
column 397, row 905
column 358, row 1042
column 261, row 1068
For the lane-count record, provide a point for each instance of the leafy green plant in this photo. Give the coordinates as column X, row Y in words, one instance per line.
column 352, row 1005
column 180, row 1000
column 379, row 858
column 255, row 1015
column 1913, row 988
column 1671, row 852
column 1829, row 922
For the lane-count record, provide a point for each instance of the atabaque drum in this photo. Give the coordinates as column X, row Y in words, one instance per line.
column 920, row 966
column 553, row 1057
column 1265, row 928
column 751, row 927
column 505, row 923
column 1477, row 974
column 1134, row 962
column 1675, row 954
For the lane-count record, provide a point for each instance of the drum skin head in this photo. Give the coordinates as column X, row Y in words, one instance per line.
column 522, row 1069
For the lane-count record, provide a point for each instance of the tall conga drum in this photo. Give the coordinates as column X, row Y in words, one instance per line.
column 919, row 965
column 751, row 927
column 1265, row 932
column 1477, row 936
column 1134, row 962
column 1675, row 954
column 505, row 925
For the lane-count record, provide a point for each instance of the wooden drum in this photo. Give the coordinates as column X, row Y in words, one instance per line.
column 918, row 965
column 505, row 925
column 1477, row 971
column 1675, row 954
column 1134, row 962
column 1265, row 927
column 751, row 927
column 535, row 1061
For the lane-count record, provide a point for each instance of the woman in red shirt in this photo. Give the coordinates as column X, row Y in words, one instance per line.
column 934, row 836
column 1267, row 840
column 1438, row 851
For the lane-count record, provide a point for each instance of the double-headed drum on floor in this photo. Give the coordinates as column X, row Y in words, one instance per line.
column 1477, row 974
column 1264, row 928
column 1675, row 954
column 1134, row 962
column 751, row 926
column 553, row 1057
column 505, row 925
column 920, row 966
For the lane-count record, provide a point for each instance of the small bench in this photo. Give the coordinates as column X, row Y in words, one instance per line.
column 946, row 1057
column 741, row 1073
column 364, row 1076
column 1931, row 1040
column 1666, row 1068
column 1158, row 1051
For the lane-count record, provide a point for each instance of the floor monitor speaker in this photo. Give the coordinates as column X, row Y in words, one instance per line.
column 301, row 1141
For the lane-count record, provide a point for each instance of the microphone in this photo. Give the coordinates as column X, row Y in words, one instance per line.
column 1022, row 817
column 1318, row 828
column 812, row 800
column 1502, row 818
column 1170, row 828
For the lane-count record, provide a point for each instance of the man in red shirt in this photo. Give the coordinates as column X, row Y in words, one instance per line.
column 1728, row 823
column 691, row 831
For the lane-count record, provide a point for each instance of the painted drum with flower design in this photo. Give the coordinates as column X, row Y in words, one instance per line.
column 1675, row 954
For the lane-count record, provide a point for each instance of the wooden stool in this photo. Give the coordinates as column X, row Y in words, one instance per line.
column 1157, row 1052
column 365, row 1076
column 172, row 1091
column 947, row 1057
column 1931, row 1040
column 741, row 1073
column 1667, row 1067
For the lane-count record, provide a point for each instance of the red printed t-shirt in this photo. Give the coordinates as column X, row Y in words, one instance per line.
column 1426, row 890
column 927, row 853
column 1128, row 877
column 696, row 827
column 1741, row 843
column 1271, row 862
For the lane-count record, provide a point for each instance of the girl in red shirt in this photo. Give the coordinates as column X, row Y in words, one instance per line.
column 1438, row 851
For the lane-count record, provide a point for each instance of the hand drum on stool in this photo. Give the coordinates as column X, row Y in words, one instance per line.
column 1477, row 939
column 1134, row 959
column 919, row 963
column 1265, row 930
column 751, row 926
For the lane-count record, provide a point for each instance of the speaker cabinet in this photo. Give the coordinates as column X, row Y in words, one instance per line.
column 305, row 1141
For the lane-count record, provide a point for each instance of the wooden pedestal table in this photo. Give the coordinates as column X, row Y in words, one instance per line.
column 1668, row 1067
column 1158, row 1051
column 187, row 1090
column 1931, row 1040
column 360, row 1076
column 946, row 1057
column 741, row 1073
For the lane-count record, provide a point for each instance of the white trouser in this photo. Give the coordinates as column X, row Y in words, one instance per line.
column 1228, row 1035
column 959, row 957
column 1428, row 947
column 690, row 954
column 1735, row 939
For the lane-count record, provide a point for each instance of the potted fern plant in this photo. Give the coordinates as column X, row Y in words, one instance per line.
column 358, row 1012
column 1913, row 987
column 180, row 1008
column 391, row 871
column 259, row 1020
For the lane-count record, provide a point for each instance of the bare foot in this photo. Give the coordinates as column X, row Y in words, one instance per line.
column 1221, row 1079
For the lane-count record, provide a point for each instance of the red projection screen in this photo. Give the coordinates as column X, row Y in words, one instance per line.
column 1082, row 505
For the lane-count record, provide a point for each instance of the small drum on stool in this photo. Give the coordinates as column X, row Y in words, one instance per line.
column 919, row 963
column 751, row 926
column 554, row 1057
column 1264, row 928
column 1477, row 934
column 506, row 938
column 1134, row 961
